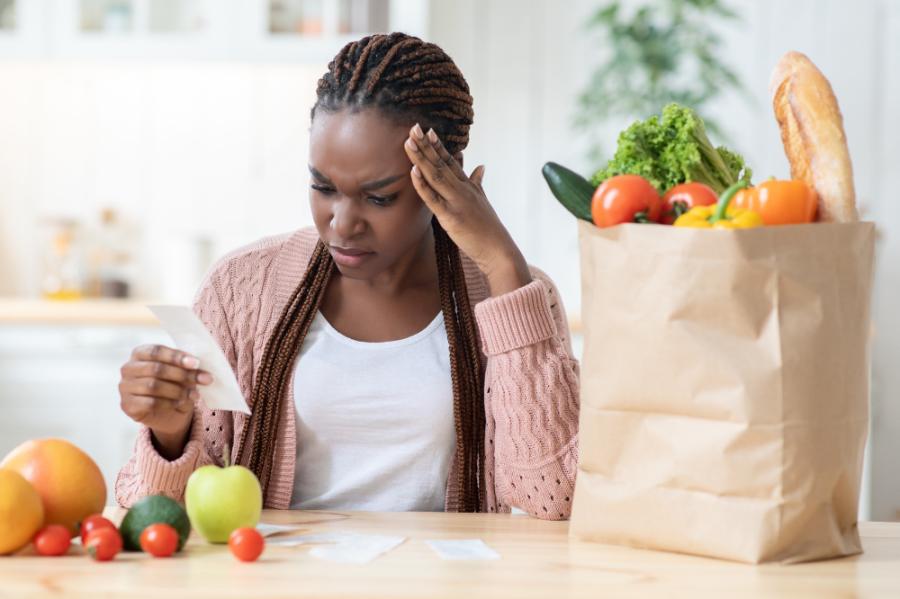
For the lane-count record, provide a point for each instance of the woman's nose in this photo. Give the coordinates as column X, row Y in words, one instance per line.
column 346, row 220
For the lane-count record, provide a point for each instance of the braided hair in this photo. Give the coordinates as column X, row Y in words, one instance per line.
column 411, row 81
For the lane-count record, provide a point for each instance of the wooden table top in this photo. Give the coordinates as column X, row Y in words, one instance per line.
column 538, row 559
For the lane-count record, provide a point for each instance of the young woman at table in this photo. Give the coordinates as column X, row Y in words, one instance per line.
column 401, row 355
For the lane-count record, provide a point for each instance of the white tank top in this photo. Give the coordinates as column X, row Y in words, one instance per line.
column 375, row 426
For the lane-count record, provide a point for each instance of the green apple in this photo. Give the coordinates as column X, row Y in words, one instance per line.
column 220, row 500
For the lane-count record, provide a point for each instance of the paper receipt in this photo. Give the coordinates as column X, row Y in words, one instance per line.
column 466, row 549
column 190, row 335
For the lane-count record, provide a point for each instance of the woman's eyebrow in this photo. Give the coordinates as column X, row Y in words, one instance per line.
column 369, row 186
column 373, row 185
column 315, row 173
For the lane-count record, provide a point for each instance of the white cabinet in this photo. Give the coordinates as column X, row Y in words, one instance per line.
column 62, row 381
column 241, row 30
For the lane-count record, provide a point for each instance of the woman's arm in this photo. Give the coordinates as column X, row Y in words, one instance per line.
column 531, row 395
column 148, row 472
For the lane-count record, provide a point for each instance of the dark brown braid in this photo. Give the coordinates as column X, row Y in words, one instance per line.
column 411, row 81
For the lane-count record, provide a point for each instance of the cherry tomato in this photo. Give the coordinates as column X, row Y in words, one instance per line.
column 54, row 539
column 159, row 540
column 92, row 523
column 682, row 198
column 103, row 544
column 625, row 199
column 246, row 544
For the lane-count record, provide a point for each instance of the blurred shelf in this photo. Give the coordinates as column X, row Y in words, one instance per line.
column 302, row 31
column 82, row 312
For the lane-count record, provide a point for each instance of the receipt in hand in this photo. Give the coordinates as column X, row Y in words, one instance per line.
column 190, row 335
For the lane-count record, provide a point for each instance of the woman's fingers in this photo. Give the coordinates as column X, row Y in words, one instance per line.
column 443, row 177
column 167, row 355
column 477, row 175
column 429, row 144
column 166, row 372
column 152, row 410
column 432, row 199
column 445, row 156
column 152, row 387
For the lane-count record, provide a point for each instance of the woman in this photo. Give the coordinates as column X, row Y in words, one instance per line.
column 339, row 335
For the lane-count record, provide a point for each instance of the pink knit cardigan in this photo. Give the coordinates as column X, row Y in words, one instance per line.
column 530, row 392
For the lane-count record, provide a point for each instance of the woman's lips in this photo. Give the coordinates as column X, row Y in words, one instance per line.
column 350, row 257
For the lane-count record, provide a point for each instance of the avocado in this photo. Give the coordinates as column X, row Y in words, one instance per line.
column 150, row 510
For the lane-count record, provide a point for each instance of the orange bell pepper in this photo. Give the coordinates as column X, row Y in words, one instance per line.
column 780, row 202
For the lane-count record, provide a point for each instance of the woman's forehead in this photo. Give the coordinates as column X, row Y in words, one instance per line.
column 362, row 145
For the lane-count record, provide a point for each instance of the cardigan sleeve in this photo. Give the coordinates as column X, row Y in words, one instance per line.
column 147, row 472
column 531, row 393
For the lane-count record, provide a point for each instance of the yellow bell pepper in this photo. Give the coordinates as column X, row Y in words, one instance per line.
column 721, row 216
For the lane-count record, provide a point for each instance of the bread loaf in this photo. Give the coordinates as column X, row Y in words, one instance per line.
column 812, row 131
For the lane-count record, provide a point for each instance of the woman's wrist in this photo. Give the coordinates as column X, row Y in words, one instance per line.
column 507, row 273
column 170, row 445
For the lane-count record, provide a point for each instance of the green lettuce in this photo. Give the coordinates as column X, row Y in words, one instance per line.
column 671, row 150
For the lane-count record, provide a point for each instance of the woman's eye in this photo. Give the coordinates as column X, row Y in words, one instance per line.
column 382, row 201
column 322, row 189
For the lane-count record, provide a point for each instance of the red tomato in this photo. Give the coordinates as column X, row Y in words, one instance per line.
column 246, row 544
column 92, row 523
column 625, row 199
column 682, row 198
column 159, row 540
column 103, row 544
column 54, row 539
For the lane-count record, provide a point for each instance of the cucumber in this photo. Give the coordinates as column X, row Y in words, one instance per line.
column 572, row 190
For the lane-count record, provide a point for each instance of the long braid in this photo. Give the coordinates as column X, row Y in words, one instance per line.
column 412, row 81
column 278, row 358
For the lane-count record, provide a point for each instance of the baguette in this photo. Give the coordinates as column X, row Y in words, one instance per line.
column 812, row 131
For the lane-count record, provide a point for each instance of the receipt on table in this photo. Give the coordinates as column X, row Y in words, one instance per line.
column 357, row 549
column 267, row 530
column 343, row 547
column 190, row 335
column 464, row 549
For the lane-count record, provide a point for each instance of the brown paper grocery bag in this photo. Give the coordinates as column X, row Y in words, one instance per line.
column 724, row 389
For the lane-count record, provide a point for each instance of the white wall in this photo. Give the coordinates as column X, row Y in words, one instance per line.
column 191, row 153
column 527, row 61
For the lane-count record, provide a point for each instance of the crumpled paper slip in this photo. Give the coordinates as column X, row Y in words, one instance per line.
column 343, row 547
column 190, row 335
column 464, row 549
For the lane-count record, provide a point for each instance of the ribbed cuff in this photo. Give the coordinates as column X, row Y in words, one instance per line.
column 159, row 475
column 516, row 319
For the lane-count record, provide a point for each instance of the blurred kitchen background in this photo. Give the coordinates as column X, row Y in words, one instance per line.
column 142, row 139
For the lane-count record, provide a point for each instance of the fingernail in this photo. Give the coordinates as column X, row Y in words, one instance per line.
column 194, row 394
column 432, row 136
column 190, row 362
column 204, row 378
column 416, row 172
column 412, row 145
column 417, row 130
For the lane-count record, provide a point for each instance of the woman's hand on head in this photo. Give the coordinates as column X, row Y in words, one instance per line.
column 459, row 203
column 158, row 388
